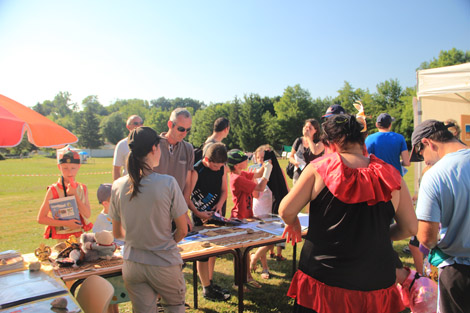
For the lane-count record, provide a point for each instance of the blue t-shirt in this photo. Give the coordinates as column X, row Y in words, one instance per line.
column 388, row 147
column 444, row 197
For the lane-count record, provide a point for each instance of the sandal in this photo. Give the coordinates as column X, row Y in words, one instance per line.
column 265, row 274
column 253, row 284
column 272, row 255
column 280, row 258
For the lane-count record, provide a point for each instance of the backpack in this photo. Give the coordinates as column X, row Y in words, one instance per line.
column 198, row 153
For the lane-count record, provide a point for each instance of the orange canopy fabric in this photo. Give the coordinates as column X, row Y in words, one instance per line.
column 16, row 118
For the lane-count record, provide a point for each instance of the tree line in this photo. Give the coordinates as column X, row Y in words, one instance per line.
column 255, row 120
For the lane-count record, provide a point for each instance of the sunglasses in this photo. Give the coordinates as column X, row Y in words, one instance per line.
column 419, row 149
column 182, row 129
column 138, row 123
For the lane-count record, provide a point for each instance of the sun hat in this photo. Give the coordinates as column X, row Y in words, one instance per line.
column 104, row 192
column 68, row 156
column 334, row 109
column 141, row 140
column 236, row 156
column 424, row 130
column 384, row 120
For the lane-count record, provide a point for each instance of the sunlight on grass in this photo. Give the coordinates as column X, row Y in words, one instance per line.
column 21, row 197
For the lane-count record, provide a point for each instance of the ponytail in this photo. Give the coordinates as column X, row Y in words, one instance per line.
column 135, row 168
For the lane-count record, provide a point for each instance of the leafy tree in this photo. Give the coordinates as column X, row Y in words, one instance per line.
column 447, row 58
column 250, row 130
column 157, row 119
column 294, row 107
column 203, row 123
column 60, row 106
column 187, row 103
column 113, row 127
column 93, row 103
column 88, row 130
column 24, row 147
column 162, row 103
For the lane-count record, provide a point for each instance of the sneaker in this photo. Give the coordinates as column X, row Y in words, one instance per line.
column 212, row 294
column 221, row 289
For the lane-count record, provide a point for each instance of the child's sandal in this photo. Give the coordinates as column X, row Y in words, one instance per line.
column 280, row 258
column 265, row 274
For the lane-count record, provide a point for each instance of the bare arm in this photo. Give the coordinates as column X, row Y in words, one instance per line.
column 181, row 227
column 45, row 218
column 428, row 233
column 406, row 222
column 223, row 194
column 300, row 194
column 292, row 159
column 315, row 148
column 261, row 185
column 187, row 197
column 83, row 206
column 116, row 172
column 405, row 158
column 118, row 231
column 188, row 189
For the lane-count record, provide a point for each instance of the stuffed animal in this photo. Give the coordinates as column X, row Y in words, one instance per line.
column 98, row 246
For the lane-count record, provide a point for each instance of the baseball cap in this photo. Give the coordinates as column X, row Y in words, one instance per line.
column 384, row 120
column 141, row 140
column 68, row 156
column 103, row 193
column 235, row 156
column 334, row 109
column 424, row 130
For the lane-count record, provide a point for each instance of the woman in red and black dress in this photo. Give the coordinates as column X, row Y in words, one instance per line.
column 347, row 263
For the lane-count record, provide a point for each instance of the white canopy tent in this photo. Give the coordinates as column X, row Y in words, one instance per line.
column 443, row 93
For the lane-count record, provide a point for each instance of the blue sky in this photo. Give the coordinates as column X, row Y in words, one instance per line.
column 213, row 51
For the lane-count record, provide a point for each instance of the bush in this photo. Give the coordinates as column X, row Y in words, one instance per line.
column 2, row 157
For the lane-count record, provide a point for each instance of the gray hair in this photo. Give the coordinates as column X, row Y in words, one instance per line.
column 131, row 118
column 177, row 112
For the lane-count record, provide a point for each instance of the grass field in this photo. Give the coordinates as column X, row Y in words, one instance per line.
column 23, row 187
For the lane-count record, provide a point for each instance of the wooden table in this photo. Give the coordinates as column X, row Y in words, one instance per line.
column 219, row 245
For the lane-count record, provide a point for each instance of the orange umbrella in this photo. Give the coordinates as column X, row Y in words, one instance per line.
column 16, row 118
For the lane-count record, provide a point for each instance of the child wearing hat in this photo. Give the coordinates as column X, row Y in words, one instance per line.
column 68, row 162
column 242, row 184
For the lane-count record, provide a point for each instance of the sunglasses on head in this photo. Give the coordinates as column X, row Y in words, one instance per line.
column 137, row 123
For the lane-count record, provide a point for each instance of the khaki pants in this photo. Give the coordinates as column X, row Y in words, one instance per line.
column 144, row 282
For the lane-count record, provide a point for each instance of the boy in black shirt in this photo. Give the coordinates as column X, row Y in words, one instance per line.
column 208, row 196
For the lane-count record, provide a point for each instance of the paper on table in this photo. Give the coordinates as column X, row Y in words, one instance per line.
column 25, row 286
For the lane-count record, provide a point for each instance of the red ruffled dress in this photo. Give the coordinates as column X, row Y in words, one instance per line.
column 58, row 232
column 347, row 262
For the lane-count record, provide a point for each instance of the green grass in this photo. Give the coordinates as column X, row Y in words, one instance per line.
column 21, row 197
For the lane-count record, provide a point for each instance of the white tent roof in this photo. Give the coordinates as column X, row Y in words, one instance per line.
column 450, row 83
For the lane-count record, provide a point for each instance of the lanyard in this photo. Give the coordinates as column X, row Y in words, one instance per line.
column 63, row 186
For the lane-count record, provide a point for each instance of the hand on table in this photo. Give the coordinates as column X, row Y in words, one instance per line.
column 293, row 232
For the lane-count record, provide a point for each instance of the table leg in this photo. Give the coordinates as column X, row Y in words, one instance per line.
column 241, row 278
column 195, row 283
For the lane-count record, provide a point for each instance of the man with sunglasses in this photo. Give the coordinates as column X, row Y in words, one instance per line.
column 443, row 210
column 122, row 149
column 177, row 156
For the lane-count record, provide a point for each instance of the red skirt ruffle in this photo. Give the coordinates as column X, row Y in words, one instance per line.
column 315, row 295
